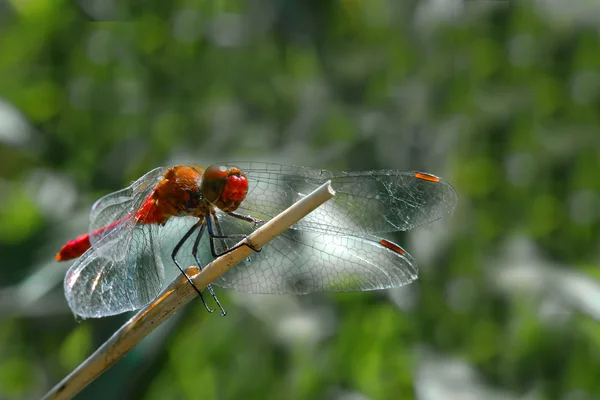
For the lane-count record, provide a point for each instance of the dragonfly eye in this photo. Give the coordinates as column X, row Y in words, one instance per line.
column 235, row 189
column 225, row 187
column 213, row 182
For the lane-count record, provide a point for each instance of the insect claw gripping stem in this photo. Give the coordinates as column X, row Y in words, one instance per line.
column 208, row 287
column 221, row 236
column 251, row 246
column 174, row 258
column 248, row 218
column 207, row 223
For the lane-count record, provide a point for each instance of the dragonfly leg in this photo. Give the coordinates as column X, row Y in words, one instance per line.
column 247, row 218
column 209, row 287
column 220, row 235
column 174, row 258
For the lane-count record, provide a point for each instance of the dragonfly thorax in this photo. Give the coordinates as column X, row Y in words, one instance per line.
column 178, row 193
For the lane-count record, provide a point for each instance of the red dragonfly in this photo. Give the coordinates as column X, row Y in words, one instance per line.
column 133, row 232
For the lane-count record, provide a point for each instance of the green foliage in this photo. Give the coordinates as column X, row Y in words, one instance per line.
column 75, row 347
column 500, row 101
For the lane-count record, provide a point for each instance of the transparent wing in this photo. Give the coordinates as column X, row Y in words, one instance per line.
column 305, row 262
column 366, row 202
column 123, row 269
column 302, row 262
column 170, row 235
column 114, row 207
column 113, row 276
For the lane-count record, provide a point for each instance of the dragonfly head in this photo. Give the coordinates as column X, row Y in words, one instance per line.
column 224, row 187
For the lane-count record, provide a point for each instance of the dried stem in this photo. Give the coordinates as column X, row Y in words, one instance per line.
column 179, row 293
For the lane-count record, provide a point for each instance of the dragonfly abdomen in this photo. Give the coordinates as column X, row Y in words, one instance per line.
column 76, row 247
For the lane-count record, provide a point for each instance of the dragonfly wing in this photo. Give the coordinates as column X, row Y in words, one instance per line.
column 302, row 262
column 107, row 210
column 118, row 205
column 170, row 235
column 388, row 201
column 365, row 203
column 115, row 276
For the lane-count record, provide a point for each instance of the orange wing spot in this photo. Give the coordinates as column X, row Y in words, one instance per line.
column 426, row 177
column 392, row 246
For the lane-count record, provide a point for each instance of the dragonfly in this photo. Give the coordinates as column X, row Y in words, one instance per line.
column 186, row 215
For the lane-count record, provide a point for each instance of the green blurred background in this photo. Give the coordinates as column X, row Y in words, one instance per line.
column 499, row 98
